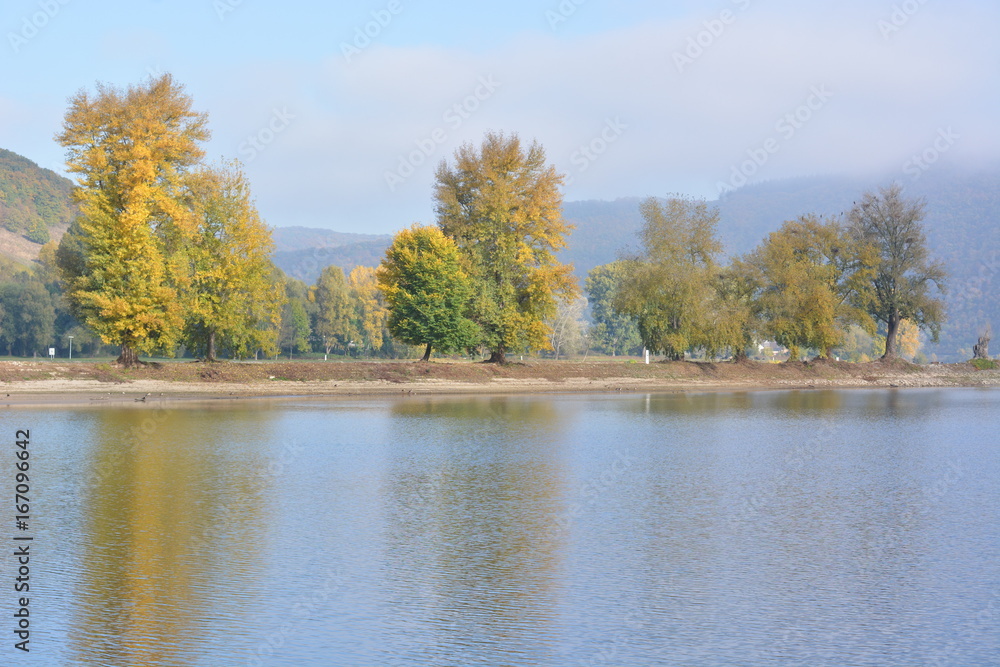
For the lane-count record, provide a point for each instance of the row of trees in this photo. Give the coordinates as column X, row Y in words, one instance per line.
column 487, row 274
column 806, row 286
column 165, row 250
column 339, row 314
column 168, row 252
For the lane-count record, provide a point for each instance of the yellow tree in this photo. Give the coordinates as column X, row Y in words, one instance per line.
column 811, row 276
column 224, row 269
column 502, row 206
column 370, row 312
column 668, row 289
column 909, row 339
column 129, row 151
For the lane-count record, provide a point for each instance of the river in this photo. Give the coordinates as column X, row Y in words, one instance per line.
column 770, row 528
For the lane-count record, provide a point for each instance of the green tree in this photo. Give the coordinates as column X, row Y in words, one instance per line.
column 611, row 332
column 905, row 281
column 28, row 316
column 334, row 310
column 668, row 289
column 294, row 332
column 130, row 151
column 811, row 276
column 502, row 206
column 427, row 291
column 231, row 301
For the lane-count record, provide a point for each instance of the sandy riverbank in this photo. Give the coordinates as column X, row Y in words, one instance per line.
column 53, row 383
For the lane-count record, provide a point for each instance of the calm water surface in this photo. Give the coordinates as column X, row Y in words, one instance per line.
column 816, row 528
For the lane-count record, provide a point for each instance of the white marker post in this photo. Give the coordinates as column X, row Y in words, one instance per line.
column 646, row 352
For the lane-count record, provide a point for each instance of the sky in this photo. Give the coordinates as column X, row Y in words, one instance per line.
column 341, row 112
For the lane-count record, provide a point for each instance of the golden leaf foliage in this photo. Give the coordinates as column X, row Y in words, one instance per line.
column 130, row 150
column 370, row 313
column 502, row 206
column 812, row 275
column 909, row 339
column 224, row 271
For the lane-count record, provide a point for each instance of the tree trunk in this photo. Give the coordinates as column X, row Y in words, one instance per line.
column 497, row 356
column 739, row 354
column 128, row 358
column 427, row 353
column 892, row 331
column 981, row 350
column 210, row 353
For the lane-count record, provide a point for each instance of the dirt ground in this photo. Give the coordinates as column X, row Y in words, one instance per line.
column 48, row 382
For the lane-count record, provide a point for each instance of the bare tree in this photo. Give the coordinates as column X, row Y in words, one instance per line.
column 981, row 350
column 567, row 326
column 905, row 280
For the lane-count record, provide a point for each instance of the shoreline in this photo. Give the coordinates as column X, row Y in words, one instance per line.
column 144, row 388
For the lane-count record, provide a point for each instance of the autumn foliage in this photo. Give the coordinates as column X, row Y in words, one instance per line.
column 165, row 252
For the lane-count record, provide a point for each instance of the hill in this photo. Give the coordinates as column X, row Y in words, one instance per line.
column 33, row 201
column 303, row 252
column 291, row 239
column 306, row 264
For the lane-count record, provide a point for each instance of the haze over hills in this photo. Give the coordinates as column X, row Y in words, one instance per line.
column 303, row 252
column 962, row 225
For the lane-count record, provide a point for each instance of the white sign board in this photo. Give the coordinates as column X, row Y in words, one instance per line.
column 52, row 352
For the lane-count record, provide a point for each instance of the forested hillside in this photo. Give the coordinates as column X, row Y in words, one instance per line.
column 307, row 263
column 303, row 252
column 32, row 199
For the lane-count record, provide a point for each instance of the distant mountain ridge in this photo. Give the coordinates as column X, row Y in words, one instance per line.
column 303, row 252
column 962, row 224
column 291, row 239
